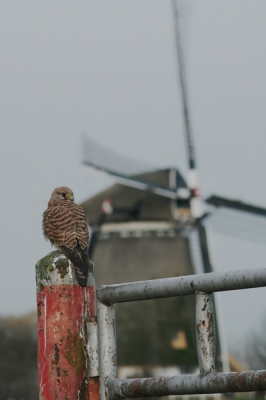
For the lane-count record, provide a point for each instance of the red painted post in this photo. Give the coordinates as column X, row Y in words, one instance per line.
column 64, row 310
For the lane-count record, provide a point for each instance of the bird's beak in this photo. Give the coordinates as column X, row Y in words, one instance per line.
column 70, row 197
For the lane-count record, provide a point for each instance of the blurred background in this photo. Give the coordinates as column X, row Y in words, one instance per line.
column 109, row 70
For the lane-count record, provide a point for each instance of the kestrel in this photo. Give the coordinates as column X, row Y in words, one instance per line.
column 65, row 225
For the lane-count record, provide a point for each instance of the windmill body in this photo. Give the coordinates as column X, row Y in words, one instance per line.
column 142, row 239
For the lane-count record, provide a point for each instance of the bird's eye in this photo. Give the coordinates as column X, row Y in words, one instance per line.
column 64, row 194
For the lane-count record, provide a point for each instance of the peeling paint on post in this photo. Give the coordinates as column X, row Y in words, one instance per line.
column 63, row 311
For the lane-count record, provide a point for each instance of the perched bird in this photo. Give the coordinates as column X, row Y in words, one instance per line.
column 65, row 225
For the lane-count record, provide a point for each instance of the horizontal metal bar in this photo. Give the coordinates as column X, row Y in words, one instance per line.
column 185, row 285
column 187, row 384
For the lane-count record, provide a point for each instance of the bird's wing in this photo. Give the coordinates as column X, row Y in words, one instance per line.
column 54, row 224
column 66, row 225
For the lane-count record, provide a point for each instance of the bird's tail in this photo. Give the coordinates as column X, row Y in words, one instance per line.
column 80, row 261
column 81, row 276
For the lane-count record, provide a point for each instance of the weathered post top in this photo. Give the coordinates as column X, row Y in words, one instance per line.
column 56, row 269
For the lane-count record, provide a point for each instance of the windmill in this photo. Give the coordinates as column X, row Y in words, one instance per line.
column 123, row 215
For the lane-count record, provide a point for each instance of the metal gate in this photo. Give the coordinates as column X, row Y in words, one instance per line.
column 207, row 381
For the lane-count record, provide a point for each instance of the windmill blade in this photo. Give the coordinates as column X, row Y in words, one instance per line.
column 237, row 205
column 105, row 159
column 196, row 204
column 177, row 8
column 135, row 182
column 109, row 162
column 239, row 224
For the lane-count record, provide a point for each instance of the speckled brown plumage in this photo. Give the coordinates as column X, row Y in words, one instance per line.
column 65, row 225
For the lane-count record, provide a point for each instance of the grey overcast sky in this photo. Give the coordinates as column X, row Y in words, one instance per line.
column 108, row 69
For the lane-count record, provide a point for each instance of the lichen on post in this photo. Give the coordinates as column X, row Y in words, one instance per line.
column 64, row 308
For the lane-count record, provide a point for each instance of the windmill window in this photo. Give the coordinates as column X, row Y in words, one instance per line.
column 125, row 234
column 104, row 235
column 171, row 233
column 137, row 234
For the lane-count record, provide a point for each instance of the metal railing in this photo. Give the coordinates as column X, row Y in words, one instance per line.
column 208, row 381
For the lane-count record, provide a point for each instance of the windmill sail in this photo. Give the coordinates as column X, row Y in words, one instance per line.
column 103, row 158
column 236, row 205
column 113, row 163
column 238, row 219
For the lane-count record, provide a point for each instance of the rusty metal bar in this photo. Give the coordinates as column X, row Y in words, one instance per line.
column 92, row 346
column 93, row 391
column 187, row 384
column 185, row 285
column 107, row 346
column 208, row 381
column 92, row 333
column 205, row 332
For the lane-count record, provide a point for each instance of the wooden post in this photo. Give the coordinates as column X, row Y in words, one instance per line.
column 64, row 311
